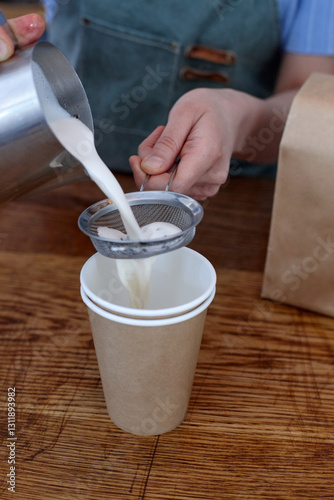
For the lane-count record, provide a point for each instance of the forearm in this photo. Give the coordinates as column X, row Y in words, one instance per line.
column 262, row 121
column 205, row 128
column 261, row 125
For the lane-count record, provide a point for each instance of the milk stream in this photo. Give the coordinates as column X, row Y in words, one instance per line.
column 78, row 139
column 135, row 274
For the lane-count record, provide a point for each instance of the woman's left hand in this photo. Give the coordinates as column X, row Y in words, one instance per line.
column 27, row 29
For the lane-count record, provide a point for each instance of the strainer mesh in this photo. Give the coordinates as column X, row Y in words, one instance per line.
column 145, row 213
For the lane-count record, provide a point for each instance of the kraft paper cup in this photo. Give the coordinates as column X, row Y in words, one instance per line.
column 147, row 366
column 181, row 280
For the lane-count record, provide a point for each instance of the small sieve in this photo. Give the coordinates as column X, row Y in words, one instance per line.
column 147, row 207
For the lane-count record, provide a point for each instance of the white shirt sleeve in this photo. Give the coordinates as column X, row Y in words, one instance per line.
column 307, row 26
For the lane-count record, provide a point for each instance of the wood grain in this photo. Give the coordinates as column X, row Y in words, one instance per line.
column 260, row 420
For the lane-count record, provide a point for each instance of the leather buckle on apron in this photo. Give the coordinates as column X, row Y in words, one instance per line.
column 188, row 73
column 211, row 54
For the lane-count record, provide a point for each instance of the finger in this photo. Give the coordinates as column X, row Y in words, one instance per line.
column 147, row 145
column 138, row 174
column 143, row 150
column 155, row 183
column 200, row 172
column 168, row 146
column 199, row 188
column 27, row 29
column 6, row 45
column 202, row 192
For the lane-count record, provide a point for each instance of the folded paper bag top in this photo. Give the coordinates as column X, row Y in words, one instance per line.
column 299, row 267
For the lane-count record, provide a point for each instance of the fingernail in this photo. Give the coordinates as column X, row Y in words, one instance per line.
column 152, row 162
column 4, row 52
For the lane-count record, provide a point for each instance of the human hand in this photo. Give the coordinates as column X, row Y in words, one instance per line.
column 27, row 29
column 203, row 129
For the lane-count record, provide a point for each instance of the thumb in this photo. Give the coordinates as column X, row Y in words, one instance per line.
column 165, row 150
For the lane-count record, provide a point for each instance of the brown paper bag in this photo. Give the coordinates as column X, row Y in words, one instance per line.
column 299, row 266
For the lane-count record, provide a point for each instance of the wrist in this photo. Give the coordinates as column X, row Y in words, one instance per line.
column 261, row 124
column 249, row 114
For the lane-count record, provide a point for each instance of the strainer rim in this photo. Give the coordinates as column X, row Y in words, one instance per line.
column 93, row 212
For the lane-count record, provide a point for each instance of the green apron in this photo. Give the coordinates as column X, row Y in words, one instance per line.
column 137, row 57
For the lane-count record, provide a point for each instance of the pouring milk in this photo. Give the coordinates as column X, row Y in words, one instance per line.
column 78, row 140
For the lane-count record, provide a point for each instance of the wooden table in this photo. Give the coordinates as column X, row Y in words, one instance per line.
column 21, row 8
column 260, row 420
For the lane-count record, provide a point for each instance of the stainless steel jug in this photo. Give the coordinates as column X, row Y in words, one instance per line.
column 31, row 156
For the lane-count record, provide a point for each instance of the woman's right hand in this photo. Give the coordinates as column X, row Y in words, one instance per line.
column 204, row 128
column 27, row 29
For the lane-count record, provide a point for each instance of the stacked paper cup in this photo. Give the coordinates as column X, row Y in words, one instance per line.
column 147, row 357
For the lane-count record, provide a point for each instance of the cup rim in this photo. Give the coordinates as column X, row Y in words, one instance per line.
column 154, row 313
column 147, row 322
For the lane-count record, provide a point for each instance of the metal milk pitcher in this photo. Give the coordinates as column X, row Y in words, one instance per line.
column 31, row 157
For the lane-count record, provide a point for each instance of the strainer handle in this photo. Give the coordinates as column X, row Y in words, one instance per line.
column 172, row 171
column 142, row 187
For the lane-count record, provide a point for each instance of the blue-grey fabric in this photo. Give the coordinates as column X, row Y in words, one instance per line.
column 129, row 56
